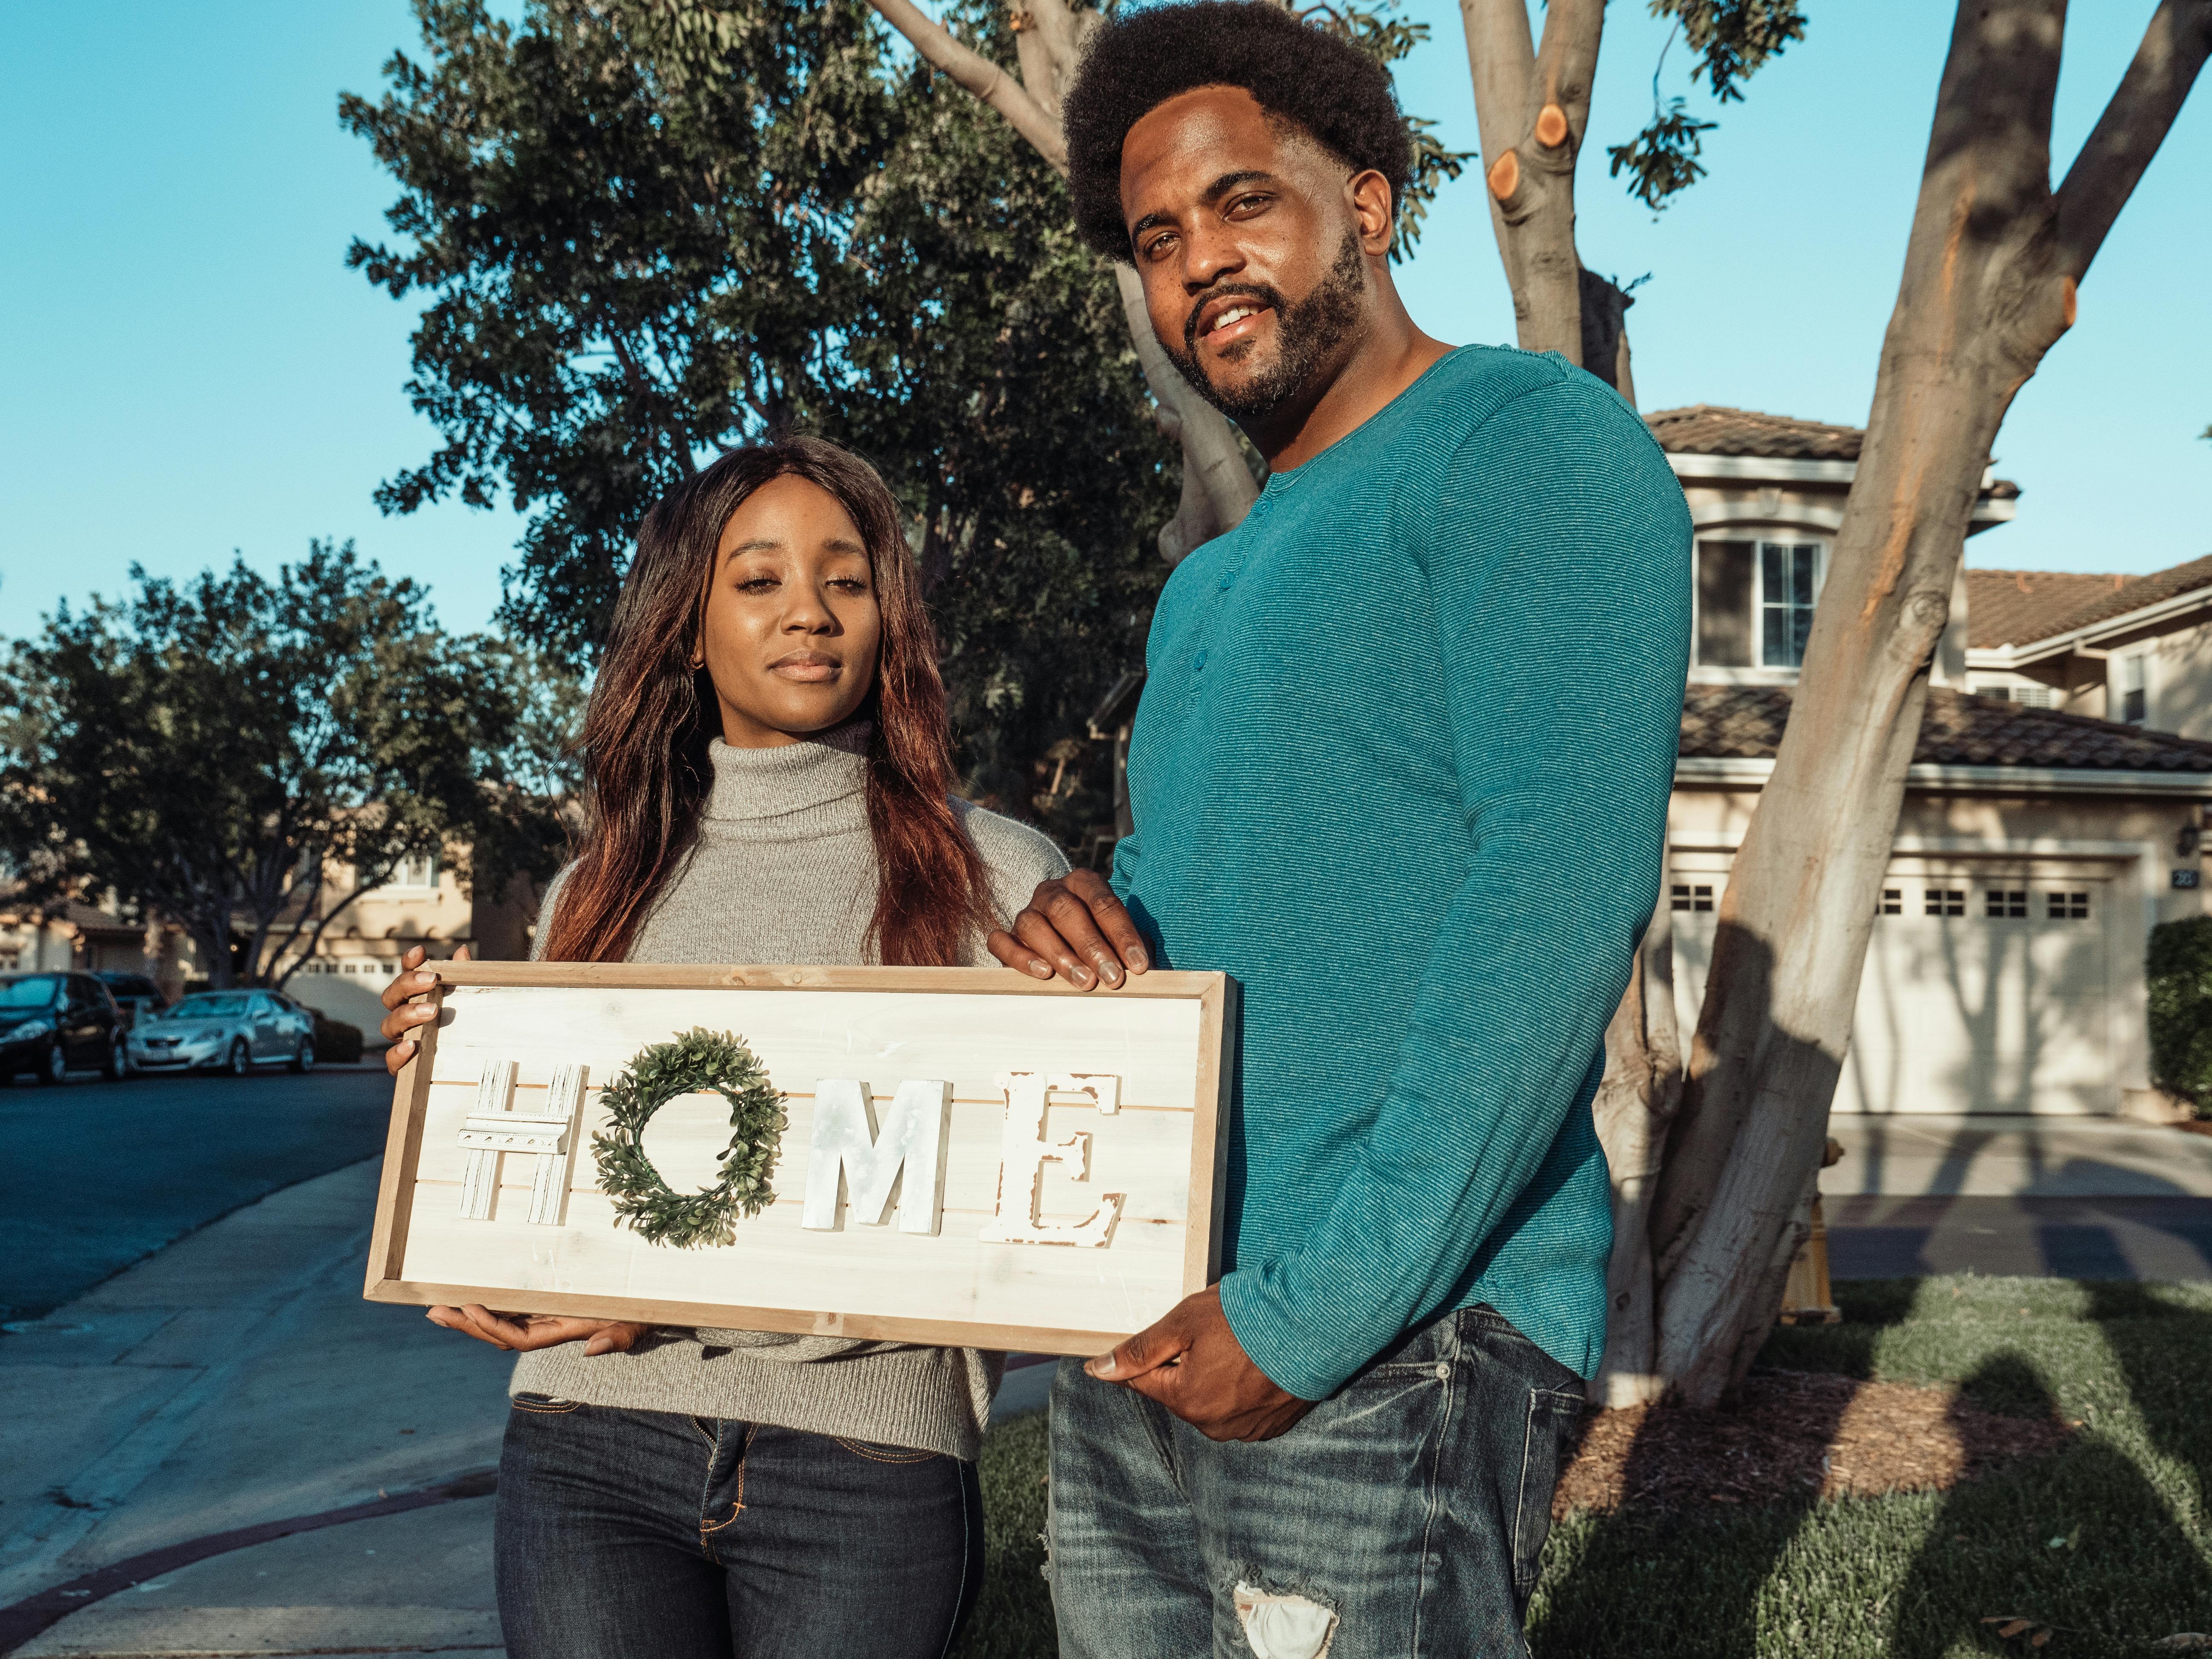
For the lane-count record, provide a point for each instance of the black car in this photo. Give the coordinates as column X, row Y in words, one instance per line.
column 135, row 993
column 51, row 1022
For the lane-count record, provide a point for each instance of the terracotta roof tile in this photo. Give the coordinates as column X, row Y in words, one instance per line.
column 1745, row 722
column 1714, row 429
column 2137, row 591
column 1711, row 429
column 2011, row 607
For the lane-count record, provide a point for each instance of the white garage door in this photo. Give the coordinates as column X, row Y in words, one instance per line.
column 1981, row 993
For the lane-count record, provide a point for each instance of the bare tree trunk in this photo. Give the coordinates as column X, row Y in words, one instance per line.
column 1642, row 1088
column 1988, row 287
column 1218, row 487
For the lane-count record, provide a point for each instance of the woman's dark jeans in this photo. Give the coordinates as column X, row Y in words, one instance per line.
column 660, row 1536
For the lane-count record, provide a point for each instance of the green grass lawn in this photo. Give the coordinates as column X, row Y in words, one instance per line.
column 2129, row 1501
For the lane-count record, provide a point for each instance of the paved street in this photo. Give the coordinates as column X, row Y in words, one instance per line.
column 94, row 1175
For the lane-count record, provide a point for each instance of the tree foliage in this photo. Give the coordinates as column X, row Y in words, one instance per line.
column 651, row 232
column 1732, row 39
column 633, row 253
column 245, row 755
column 991, row 377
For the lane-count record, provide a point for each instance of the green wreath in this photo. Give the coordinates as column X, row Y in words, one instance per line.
column 698, row 1060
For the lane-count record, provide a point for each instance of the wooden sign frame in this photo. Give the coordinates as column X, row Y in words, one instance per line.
column 405, row 1185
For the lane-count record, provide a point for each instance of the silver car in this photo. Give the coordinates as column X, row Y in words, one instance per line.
column 232, row 1031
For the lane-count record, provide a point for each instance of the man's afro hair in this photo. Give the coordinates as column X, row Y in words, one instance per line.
column 1140, row 58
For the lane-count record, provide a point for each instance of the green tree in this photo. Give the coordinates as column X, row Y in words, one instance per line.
column 633, row 254
column 991, row 376
column 841, row 242
column 244, row 756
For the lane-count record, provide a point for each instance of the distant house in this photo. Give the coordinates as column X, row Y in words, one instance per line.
column 358, row 957
column 2038, row 843
column 2134, row 649
column 71, row 933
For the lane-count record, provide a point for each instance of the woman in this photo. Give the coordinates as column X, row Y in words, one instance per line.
column 768, row 764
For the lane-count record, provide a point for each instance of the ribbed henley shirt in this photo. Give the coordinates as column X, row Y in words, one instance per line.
column 1402, row 769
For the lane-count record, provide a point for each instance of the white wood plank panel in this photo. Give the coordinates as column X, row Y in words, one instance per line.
column 776, row 1264
column 883, row 1027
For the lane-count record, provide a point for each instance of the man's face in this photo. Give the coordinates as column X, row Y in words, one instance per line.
column 1249, row 246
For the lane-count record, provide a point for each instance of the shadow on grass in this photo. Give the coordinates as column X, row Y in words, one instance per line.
column 2082, row 1542
column 1912, row 1575
column 1656, row 1582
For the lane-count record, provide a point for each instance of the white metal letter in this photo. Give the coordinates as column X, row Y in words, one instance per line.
column 846, row 1147
column 1024, row 1151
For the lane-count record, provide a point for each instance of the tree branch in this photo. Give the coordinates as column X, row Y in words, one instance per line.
column 1501, row 58
column 979, row 75
column 1566, row 62
column 2133, row 126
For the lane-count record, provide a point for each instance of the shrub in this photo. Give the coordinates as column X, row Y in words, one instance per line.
column 337, row 1043
column 2180, row 976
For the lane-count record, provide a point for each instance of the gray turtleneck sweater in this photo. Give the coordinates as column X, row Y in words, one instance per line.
column 784, row 870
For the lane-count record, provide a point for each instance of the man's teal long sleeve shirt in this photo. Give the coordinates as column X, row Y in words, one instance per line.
column 1402, row 769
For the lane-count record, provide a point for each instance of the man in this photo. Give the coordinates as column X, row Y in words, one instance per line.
column 1401, row 769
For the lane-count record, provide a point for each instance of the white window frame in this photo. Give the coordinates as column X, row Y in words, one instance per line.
column 2133, row 681
column 403, row 875
column 1761, row 670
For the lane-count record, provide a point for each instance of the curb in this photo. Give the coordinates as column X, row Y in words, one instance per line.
column 35, row 1614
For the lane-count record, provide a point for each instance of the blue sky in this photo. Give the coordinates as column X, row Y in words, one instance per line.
column 191, row 369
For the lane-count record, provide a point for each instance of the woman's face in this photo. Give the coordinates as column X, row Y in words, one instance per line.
column 792, row 625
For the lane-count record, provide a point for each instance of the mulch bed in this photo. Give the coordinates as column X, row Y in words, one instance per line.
column 1794, row 1434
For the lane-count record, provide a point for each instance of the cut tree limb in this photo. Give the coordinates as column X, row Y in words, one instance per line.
column 979, row 75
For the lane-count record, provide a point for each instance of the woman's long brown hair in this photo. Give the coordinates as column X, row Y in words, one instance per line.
column 652, row 714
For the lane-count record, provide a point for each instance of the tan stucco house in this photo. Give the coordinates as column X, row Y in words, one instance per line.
column 2038, row 844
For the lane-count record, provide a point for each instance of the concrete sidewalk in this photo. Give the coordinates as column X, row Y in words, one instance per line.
column 236, row 1381
column 1932, row 1157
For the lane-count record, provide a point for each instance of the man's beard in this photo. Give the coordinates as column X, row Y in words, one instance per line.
column 1306, row 333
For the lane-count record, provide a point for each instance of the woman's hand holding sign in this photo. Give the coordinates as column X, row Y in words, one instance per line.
column 406, row 1000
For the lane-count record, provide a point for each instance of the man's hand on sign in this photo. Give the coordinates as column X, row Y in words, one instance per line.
column 520, row 1333
column 403, row 997
column 1191, row 1362
column 1073, row 926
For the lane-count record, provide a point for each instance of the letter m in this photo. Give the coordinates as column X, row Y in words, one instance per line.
column 847, row 1150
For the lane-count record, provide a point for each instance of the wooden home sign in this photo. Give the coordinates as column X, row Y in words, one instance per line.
column 958, row 1156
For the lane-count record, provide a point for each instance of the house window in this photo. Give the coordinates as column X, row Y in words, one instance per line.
column 2028, row 697
column 1755, row 602
column 1893, row 903
column 421, row 871
column 1787, row 589
column 2134, row 698
column 2003, row 902
column 1947, row 902
column 2067, row 907
column 1692, row 898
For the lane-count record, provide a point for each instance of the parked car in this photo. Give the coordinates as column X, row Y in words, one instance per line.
column 232, row 1031
column 137, row 995
column 51, row 1022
